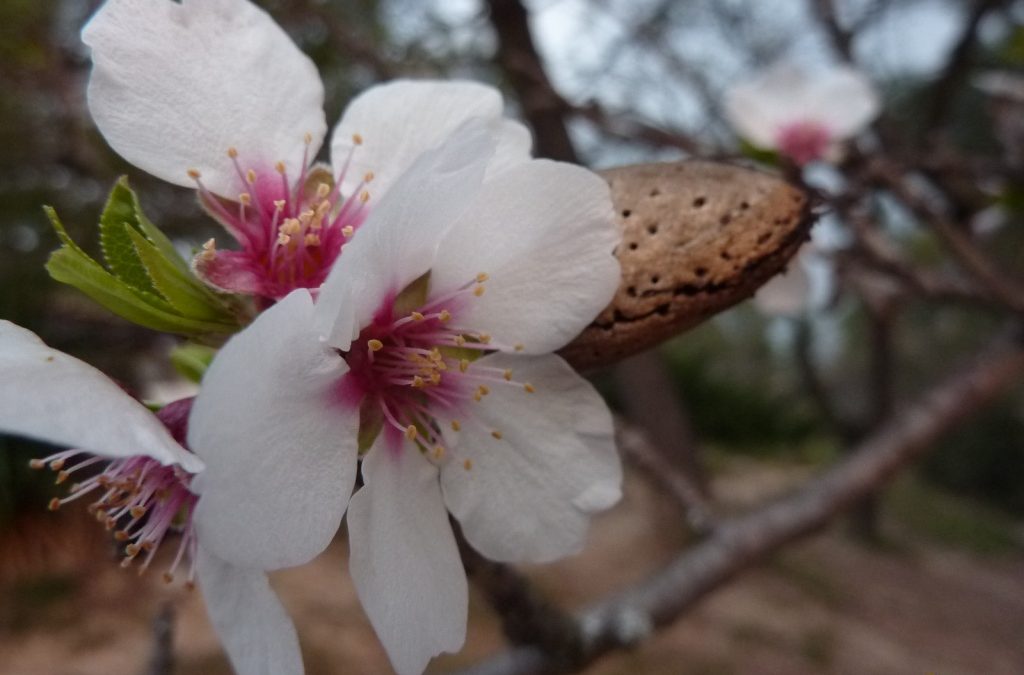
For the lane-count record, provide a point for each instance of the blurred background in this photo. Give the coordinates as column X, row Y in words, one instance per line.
column 927, row 576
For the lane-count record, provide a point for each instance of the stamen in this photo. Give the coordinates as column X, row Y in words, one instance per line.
column 496, row 434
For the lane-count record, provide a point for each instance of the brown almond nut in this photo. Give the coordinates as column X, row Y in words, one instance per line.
column 698, row 237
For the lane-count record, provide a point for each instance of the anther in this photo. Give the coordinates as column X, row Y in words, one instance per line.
column 463, row 365
column 194, row 174
column 529, row 388
column 57, row 465
column 54, row 504
column 482, row 277
column 250, row 176
column 368, row 177
column 138, row 511
column 36, row 463
column 364, row 197
column 233, row 153
column 357, row 139
column 375, row 345
column 280, row 168
column 307, row 138
column 416, row 316
column 322, row 190
column 438, row 452
column 62, row 476
column 168, row 578
column 410, row 432
column 467, row 465
column 478, row 291
column 460, row 340
column 484, row 391
column 444, row 316
column 520, row 347
column 496, row 434
column 348, row 231
column 508, row 375
column 121, row 535
column 485, row 338
column 209, row 250
column 312, row 239
column 279, row 204
column 456, row 426
column 245, row 198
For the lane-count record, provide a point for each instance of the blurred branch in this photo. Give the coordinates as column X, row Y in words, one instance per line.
column 635, row 445
column 162, row 660
column 941, row 93
column 841, row 39
column 741, row 542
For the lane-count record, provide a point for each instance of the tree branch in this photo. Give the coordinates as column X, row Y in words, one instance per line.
column 743, row 541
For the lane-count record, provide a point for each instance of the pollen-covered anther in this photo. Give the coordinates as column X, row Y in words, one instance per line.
column 357, row 139
column 482, row 277
column 347, row 231
column 250, row 176
column 312, row 239
column 484, row 391
column 417, row 316
column 507, row 375
column 245, row 199
column 279, row 204
column 439, row 452
column 478, row 291
column 322, row 190
column 138, row 511
column 368, row 178
column 375, row 345
column 364, row 196
column 519, row 347
column 484, row 338
column 459, row 340
column 444, row 316
column 194, row 174
column 463, row 365
column 307, row 138
column 418, row 382
column 529, row 388
column 62, row 476
column 57, row 465
column 233, row 153
column 456, row 426
column 468, row 465
column 411, row 433
column 283, row 239
column 280, row 168
column 496, row 434
column 36, row 464
column 54, row 504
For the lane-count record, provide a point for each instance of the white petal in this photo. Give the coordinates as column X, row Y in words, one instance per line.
column 280, row 449
column 175, row 85
column 544, row 233
column 255, row 629
column 759, row 107
column 397, row 243
column 528, row 496
column 404, row 560
column 53, row 397
column 400, row 120
column 844, row 100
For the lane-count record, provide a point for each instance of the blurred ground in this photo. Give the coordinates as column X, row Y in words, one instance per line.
column 948, row 599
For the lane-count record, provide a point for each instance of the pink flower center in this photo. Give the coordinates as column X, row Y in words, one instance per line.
column 291, row 232
column 804, row 141
column 137, row 498
column 412, row 371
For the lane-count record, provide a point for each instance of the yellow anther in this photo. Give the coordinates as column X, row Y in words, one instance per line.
column 478, row 291
column 194, row 174
column 411, row 433
column 36, row 463
column 307, row 138
column 357, row 139
column 484, row 391
column 520, row 347
column 435, row 377
column 456, row 426
column 306, row 216
column 482, row 277
column 131, row 550
column 291, row 226
column 57, row 465
column 280, row 168
column 460, row 340
column 54, row 504
column 250, row 176
column 496, row 434
column 364, row 197
column 138, row 511
column 283, row 239
column 279, row 204
column 121, row 535
column 508, row 375
column 232, row 153
column 322, row 190
column 477, row 396
column 312, row 239
column 438, row 452
column 529, row 388
column 467, row 465
column 463, row 365
column 417, row 316
column 375, row 345
column 368, row 177
column 444, row 316
column 348, row 231
column 485, row 338
column 418, row 382
column 62, row 476
column 245, row 198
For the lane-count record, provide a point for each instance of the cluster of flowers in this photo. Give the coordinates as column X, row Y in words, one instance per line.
column 401, row 368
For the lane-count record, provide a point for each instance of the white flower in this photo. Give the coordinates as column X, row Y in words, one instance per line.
column 145, row 490
column 802, row 116
column 431, row 346
column 214, row 93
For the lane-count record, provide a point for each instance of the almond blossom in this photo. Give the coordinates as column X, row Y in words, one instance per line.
column 801, row 115
column 214, row 94
column 424, row 364
column 144, row 490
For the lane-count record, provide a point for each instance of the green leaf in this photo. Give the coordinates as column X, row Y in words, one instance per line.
column 182, row 290
column 192, row 360
column 158, row 238
column 412, row 296
column 119, row 253
column 71, row 266
column 371, row 422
